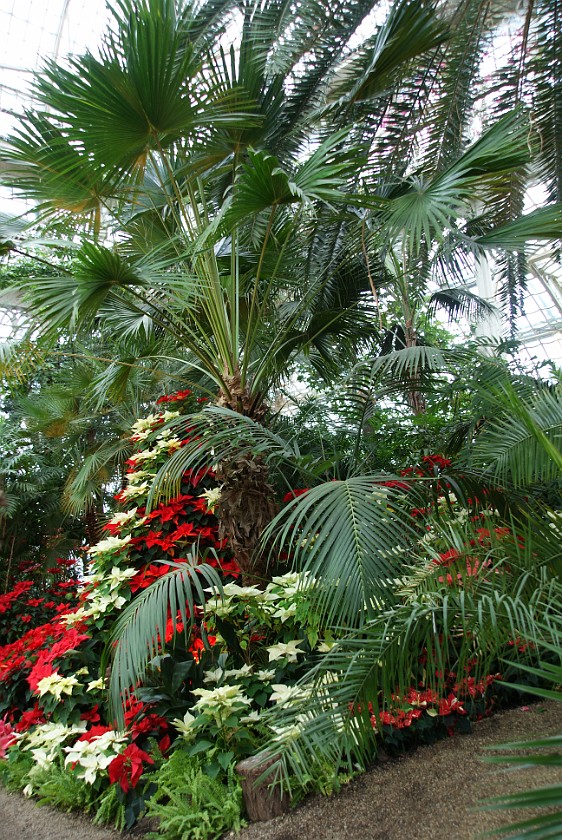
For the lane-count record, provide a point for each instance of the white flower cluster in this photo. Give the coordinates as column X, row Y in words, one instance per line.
column 95, row 755
column 56, row 685
column 221, row 701
column 104, row 593
column 282, row 588
column 45, row 740
column 109, row 544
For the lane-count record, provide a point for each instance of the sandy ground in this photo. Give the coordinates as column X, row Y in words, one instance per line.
column 430, row 794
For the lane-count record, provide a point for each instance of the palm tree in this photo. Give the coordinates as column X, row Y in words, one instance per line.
column 197, row 163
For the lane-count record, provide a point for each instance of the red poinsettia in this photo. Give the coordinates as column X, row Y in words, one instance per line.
column 127, row 768
column 30, row 718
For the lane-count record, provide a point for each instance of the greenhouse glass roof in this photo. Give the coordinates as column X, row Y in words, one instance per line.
column 33, row 30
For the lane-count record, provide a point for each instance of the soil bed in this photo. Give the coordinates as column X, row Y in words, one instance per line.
column 427, row 794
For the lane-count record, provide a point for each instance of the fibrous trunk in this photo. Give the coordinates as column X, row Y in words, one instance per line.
column 247, row 506
column 247, row 503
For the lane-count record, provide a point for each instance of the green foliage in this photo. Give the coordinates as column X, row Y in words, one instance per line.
column 540, row 826
column 520, row 441
column 190, row 804
column 467, row 604
column 135, row 638
column 61, row 788
column 110, row 809
column 14, row 771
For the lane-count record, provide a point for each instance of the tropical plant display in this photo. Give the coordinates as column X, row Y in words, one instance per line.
column 233, row 203
column 223, row 664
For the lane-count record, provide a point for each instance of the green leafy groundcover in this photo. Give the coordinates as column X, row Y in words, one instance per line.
column 210, row 684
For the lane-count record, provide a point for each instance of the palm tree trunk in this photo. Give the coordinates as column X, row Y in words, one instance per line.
column 247, row 503
column 415, row 397
column 247, row 506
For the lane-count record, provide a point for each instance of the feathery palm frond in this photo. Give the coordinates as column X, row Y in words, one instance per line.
column 139, row 633
column 351, row 536
column 522, row 443
column 384, row 658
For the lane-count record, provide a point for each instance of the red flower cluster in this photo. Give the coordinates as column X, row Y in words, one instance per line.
column 292, row 494
column 8, row 600
column 24, row 652
column 399, row 720
column 430, row 465
column 177, row 397
column 127, row 768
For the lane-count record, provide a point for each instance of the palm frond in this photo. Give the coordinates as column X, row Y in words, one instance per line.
column 409, row 31
column 352, row 537
column 522, row 444
column 461, row 302
column 544, row 223
column 139, row 633
column 91, row 473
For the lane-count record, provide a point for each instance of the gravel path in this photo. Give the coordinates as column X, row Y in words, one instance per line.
column 427, row 795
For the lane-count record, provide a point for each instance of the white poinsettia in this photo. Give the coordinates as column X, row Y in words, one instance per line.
column 219, row 700
column 283, row 695
column 185, row 726
column 101, row 602
column 168, row 445
column 213, row 676
column 145, row 423
column 233, row 590
column 169, row 415
column 212, row 497
column 285, row 650
column 251, row 717
column 96, row 685
column 95, row 755
column 122, row 517
column 134, row 490
column 74, row 617
column 285, row 612
column 43, row 742
column 238, row 673
column 266, row 675
column 289, row 579
column 46, row 734
column 57, row 685
column 143, row 455
column 110, row 544
column 219, row 606
column 138, row 476
column 118, row 576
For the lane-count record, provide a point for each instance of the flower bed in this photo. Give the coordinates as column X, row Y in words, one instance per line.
column 215, row 678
